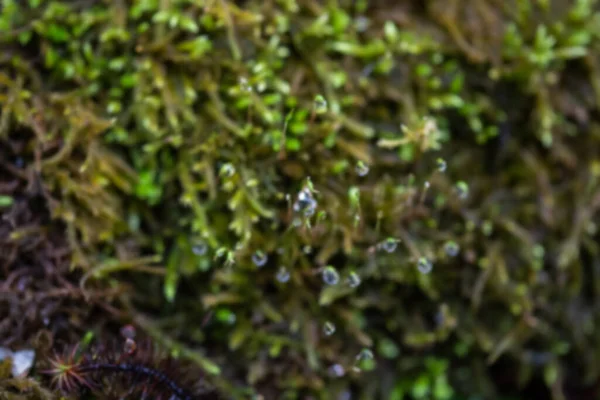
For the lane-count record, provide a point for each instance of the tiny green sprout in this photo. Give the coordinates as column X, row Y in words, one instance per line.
column 487, row 227
column 230, row 259
column 225, row 315
column 320, row 104
column 170, row 286
column 310, row 185
column 87, row 338
column 388, row 348
column 354, row 197
column 390, row 31
column 221, row 251
column 321, row 216
column 228, row 254
column 538, row 251
column 6, row 201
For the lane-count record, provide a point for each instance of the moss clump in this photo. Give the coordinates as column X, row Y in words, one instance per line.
column 225, row 161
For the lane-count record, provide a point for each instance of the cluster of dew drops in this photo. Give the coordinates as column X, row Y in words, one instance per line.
column 305, row 205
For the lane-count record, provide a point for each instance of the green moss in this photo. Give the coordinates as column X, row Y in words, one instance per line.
column 378, row 140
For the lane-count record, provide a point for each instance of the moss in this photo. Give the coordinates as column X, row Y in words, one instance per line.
column 442, row 154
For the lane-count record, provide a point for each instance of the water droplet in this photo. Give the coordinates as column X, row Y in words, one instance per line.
column 451, row 248
column 365, row 355
column 441, row 165
column 328, row 328
column 424, row 265
column 353, row 280
column 283, row 275
column 320, row 104
column 462, row 189
column 337, row 370
column 259, row 258
column 305, row 203
column 364, row 360
column 390, row 244
column 330, row 275
column 227, row 170
column 361, row 168
column 199, row 247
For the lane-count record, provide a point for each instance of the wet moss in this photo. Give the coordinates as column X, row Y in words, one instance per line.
column 442, row 152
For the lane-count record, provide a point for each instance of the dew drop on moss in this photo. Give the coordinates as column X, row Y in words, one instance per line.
column 283, row 275
column 227, row 170
column 451, row 248
column 320, row 104
column 462, row 189
column 364, row 360
column 328, row 328
column 259, row 258
column 361, row 169
column 337, row 371
column 199, row 247
column 424, row 265
column 441, row 165
column 365, row 355
column 305, row 203
column 353, row 280
column 330, row 276
column 389, row 245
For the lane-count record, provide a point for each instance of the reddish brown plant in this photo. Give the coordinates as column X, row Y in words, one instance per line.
column 130, row 371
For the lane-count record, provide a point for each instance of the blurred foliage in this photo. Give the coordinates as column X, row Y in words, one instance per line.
column 420, row 178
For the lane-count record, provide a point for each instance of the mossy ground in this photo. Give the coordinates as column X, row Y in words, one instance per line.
column 239, row 179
